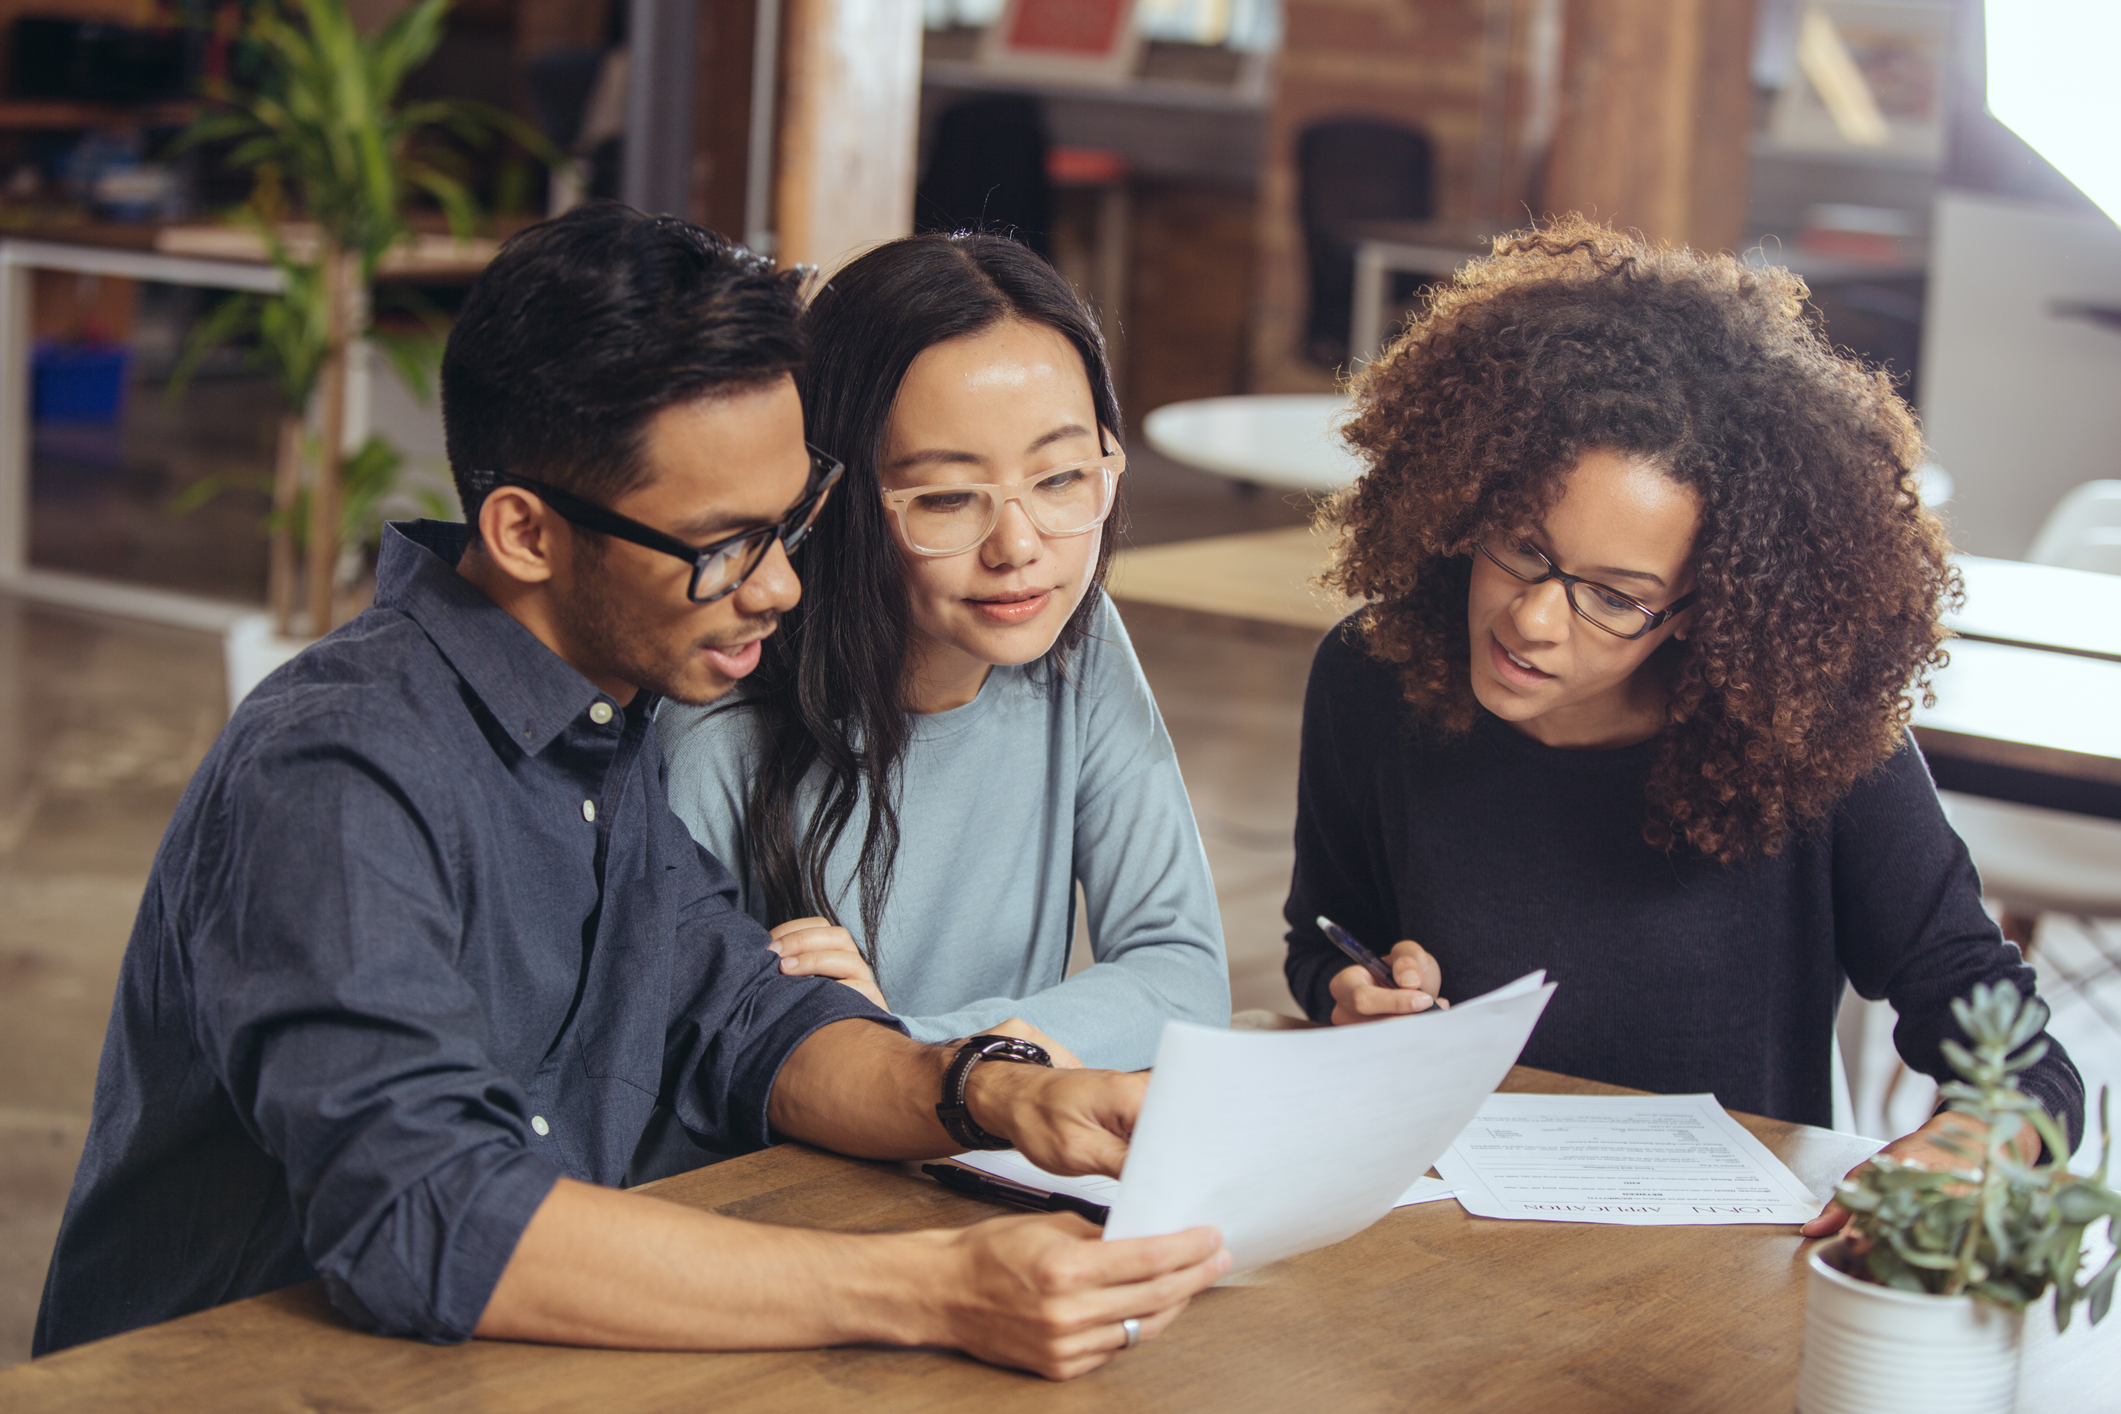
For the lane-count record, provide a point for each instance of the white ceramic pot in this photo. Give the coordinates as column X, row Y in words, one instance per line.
column 1869, row 1349
column 253, row 652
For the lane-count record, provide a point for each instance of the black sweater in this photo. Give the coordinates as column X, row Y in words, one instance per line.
column 1676, row 974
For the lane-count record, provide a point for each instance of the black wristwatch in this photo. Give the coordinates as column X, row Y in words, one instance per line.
column 952, row 1112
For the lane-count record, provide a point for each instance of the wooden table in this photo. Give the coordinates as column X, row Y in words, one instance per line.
column 1430, row 1309
column 2030, row 708
column 1259, row 576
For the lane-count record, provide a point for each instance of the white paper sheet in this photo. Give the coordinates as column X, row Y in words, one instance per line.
column 1647, row 1161
column 1012, row 1167
column 1096, row 1188
column 1290, row 1140
column 1425, row 1190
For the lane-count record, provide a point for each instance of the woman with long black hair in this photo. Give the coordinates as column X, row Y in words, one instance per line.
column 951, row 733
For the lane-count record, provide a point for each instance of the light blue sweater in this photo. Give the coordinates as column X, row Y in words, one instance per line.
column 1005, row 803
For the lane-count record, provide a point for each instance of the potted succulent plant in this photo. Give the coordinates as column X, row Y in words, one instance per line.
column 1923, row 1305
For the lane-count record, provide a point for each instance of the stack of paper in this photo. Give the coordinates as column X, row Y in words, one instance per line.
column 1012, row 1167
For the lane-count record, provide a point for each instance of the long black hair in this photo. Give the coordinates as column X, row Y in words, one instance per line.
column 829, row 687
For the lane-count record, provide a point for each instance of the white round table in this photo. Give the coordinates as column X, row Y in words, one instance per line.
column 1293, row 440
column 1272, row 439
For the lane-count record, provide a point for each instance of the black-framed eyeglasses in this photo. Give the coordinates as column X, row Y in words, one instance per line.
column 719, row 568
column 1598, row 604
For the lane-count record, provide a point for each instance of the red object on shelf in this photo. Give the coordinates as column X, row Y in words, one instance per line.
column 1085, row 167
column 1090, row 28
column 1875, row 247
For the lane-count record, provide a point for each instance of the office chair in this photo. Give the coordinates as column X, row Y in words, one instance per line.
column 2083, row 531
column 987, row 172
column 1351, row 170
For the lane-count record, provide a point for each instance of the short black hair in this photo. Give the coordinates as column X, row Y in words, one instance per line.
column 586, row 326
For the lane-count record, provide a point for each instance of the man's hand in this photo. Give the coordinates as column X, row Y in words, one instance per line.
column 1357, row 997
column 816, row 947
column 1065, row 1121
column 1923, row 1149
column 600, row 1267
column 1045, row 1294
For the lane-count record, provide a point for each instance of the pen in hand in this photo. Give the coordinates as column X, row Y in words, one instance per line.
column 1362, row 957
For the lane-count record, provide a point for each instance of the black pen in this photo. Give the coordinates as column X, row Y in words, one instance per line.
column 1361, row 956
column 994, row 1190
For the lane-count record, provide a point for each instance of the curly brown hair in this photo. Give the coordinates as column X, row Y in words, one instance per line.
column 1820, row 573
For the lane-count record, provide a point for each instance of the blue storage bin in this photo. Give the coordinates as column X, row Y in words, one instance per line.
column 79, row 382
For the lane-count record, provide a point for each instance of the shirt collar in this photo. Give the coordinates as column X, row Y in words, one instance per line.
column 529, row 688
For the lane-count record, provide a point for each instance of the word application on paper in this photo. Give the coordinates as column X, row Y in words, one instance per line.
column 1642, row 1160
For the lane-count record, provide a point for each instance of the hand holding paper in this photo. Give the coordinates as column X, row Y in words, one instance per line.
column 1290, row 1140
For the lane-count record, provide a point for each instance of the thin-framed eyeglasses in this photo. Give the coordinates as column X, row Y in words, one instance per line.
column 720, row 567
column 1598, row 604
column 952, row 519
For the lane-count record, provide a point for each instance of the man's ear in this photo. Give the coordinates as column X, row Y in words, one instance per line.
column 518, row 532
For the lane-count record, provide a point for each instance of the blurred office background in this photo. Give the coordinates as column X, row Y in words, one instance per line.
column 1252, row 193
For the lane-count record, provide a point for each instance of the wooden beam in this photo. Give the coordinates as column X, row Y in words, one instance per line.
column 1656, row 108
column 850, row 119
column 721, row 115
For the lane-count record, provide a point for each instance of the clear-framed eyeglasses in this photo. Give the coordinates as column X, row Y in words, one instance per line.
column 1599, row 604
column 953, row 519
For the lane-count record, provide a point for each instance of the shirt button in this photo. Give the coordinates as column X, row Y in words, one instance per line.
column 600, row 713
column 589, row 811
column 539, row 1127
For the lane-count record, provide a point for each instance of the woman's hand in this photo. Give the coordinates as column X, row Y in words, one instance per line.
column 1924, row 1150
column 1357, row 997
column 814, row 947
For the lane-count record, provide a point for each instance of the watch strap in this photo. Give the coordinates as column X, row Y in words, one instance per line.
column 956, row 1118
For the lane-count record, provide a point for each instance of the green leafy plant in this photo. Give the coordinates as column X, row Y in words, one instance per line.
column 1999, row 1229
column 327, row 139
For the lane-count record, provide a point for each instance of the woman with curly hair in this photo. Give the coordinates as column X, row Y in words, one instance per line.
column 1650, row 593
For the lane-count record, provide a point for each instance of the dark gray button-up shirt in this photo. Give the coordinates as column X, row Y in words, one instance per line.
column 422, row 937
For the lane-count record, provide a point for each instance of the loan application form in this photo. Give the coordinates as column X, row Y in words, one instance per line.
column 1644, row 1160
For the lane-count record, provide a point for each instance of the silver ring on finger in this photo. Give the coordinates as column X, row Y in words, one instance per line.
column 1133, row 1328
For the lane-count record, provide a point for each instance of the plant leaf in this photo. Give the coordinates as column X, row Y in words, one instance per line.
column 2099, row 1292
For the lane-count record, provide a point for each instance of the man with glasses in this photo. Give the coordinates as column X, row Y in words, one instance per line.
column 424, row 948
